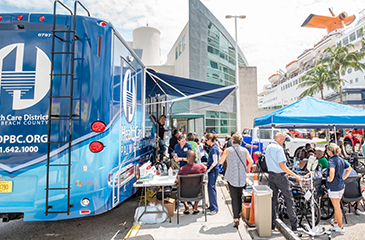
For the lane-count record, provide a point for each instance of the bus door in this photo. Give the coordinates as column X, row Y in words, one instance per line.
column 155, row 110
column 128, row 136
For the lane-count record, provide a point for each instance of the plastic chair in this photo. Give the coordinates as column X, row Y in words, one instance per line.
column 353, row 192
column 191, row 188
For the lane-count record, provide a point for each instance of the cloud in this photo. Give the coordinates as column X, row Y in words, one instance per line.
column 270, row 36
column 43, row 5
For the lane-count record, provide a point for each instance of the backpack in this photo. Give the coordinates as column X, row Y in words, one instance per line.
column 261, row 163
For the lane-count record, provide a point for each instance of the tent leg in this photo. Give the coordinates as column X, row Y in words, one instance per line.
column 334, row 129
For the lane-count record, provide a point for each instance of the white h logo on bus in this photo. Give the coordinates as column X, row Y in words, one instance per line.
column 19, row 82
column 129, row 95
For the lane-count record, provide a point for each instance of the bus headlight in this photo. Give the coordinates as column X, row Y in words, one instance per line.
column 85, row 202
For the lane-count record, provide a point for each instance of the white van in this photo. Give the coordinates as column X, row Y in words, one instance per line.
column 293, row 145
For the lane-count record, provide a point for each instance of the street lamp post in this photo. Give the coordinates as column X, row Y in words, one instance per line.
column 238, row 117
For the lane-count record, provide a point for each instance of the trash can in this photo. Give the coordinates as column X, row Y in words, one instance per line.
column 262, row 205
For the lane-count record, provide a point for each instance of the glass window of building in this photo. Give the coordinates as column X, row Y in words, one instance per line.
column 222, row 53
column 180, row 47
column 349, row 70
column 220, row 122
column 358, row 33
column 345, row 41
column 352, row 36
column 176, row 53
column 351, row 81
column 183, row 42
column 356, row 80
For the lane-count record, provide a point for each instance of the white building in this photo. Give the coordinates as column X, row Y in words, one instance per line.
column 203, row 51
column 284, row 91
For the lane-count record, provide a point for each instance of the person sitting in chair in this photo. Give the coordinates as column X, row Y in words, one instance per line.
column 191, row 168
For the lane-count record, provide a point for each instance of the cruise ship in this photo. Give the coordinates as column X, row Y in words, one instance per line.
column 283, row 90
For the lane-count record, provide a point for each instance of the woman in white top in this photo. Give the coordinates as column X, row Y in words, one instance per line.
column 236, row 157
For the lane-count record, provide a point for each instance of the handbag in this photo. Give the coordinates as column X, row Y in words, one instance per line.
column 244, row 164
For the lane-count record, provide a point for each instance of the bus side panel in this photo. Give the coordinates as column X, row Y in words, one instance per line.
column 106, row 88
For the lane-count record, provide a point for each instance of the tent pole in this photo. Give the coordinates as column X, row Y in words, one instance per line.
column 334, row 129
column 233, row 87
column 259, row 140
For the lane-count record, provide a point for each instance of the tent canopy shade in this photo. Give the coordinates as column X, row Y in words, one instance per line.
column 184, row 88
column 187, row 115
column 310, row 112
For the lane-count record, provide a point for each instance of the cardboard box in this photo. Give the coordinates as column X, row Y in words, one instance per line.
column 169, row 203
column 246, row 209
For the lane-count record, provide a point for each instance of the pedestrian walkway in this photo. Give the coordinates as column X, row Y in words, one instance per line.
column 219, row 226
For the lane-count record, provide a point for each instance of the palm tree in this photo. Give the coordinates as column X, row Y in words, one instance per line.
column 340, row 59
column 362, row 39
column 316, row 79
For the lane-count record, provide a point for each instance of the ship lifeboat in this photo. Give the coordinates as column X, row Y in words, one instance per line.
column 307, row 55
column 326, row 42
column 292, row 66
column 274, row 78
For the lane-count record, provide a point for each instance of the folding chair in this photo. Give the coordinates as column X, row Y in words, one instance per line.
column 353, row 192
column 191, row 188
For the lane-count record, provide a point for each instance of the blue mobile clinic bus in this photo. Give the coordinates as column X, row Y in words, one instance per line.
column 70, row 141
column 78, row 114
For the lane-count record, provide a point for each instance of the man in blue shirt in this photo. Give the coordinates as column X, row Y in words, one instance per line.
column 276, row 165
column 181, row 150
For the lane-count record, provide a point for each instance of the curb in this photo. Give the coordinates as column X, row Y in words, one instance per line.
column 285, row 230
column 133, row 231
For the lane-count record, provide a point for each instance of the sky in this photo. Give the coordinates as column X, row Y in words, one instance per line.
column 270, row 36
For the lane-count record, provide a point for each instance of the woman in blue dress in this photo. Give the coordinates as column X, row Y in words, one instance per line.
column 212, row 165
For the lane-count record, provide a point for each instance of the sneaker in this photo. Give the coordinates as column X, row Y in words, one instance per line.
column 333, row 222
column 336, row 228
column 358, row 212
column 213, row 213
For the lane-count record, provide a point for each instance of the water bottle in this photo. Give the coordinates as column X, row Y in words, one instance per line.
column 170, row 171
column 159, row 167
column 164, row 168
column 294, row 163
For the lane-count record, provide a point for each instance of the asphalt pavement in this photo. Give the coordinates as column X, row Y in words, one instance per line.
column 114, row 223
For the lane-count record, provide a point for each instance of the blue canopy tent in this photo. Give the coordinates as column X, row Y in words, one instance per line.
column 310, row 112
column 184, row 88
